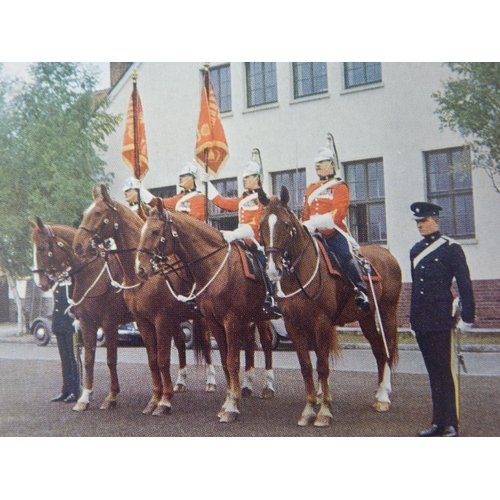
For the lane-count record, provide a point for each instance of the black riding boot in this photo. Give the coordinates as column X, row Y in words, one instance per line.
column 271, row 308
column 352, row 271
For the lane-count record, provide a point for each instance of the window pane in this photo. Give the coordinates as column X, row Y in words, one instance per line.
column 295, row 182
column 309, row 78
column 376, row 180
column 359, row 73
column 261, row 83
column 356, row 181
column 439, row 172
column 464, row 215
column 462, row 178
column 445, row 216
column 378, row 229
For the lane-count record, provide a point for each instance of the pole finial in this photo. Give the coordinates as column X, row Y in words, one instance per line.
column 135, row 74
column 206, row 66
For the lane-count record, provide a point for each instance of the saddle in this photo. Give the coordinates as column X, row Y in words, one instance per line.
column 333, row 265
column 251, row 266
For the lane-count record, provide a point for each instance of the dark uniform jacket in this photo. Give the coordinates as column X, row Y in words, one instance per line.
column 61, row 323
column 432, row 275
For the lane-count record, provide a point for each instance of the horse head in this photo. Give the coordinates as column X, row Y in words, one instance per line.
column 52, row 256
column 155, row 244
column 99, row 224
column 280, row 232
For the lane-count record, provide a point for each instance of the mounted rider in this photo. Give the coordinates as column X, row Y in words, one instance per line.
column 325, row 209
column 131, row 192
column 189, row 200
column 249, row 211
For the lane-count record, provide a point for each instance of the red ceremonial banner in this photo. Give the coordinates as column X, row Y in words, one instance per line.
column 210, row 134
column 134, row 153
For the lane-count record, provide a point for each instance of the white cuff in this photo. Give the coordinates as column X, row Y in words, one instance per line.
column 323, row 221
column 241, row 232
column 146, row 196
column 211, row 191
column 463, row 327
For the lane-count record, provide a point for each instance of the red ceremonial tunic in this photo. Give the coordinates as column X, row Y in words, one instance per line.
column 192, row 203
column 248, row 207
column 333, row 198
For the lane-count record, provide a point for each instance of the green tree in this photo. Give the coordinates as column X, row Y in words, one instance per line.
column 52, row 130
column 470, row 105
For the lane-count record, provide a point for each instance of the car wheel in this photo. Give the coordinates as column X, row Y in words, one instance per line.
column 42, row 331
column 187, row 330
column 101, row 341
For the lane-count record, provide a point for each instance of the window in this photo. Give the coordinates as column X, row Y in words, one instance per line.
column 295, row 181
column 261, row 83
column 449, row 184
column 361, row 73
column 221, row 219
column 367, row 210
column 164, row 192
column 309, row 78
column 220, row 77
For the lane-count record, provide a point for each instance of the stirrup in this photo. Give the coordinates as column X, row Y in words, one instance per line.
column 271, row 309
column 362, row 300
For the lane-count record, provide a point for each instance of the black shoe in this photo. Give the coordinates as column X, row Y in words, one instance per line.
column 362, row 301
column 71, row 399
column 272, row 310
column 59, row 398
column 434, row 431
column 450, row 431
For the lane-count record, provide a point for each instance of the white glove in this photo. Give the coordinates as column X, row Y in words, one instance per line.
column 309, row 224
column 319, row 221
column 211, row 191
column 463, row 327
column 146, row 196
column 203, row 176
column 241, row 232
column 136, row 183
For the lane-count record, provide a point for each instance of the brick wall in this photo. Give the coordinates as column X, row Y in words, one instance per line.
column 486, row 296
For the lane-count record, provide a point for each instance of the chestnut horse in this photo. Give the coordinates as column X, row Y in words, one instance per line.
column 157, row 314
column 96, row 302
column 229, row 302
column 314, row 301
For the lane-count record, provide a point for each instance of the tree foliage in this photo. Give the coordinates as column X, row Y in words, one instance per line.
column 470, row 105
column 52, row 130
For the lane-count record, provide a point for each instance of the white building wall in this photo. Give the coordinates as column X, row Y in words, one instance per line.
column 394, row 120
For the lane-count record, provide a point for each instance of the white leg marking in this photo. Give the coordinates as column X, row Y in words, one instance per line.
column 87, row 396
column 211, row 375
column 269, row 380
column 271, row 270
column 384, row 389
column 182, row 377
column 35, row 266
column 137, row 263
column 248, row 378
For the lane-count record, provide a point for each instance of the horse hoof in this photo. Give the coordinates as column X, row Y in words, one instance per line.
column 246, row 392
column 322, row 421
column 305, row 421
column 162, row 410
column 210, row 388
column 381, row 406
column 150, row 408
column 180, row 388
column 267, row 393
column 108, row 404
column 228, row 417
column 81, row 406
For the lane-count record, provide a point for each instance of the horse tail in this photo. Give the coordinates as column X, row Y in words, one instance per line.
column 335, row 348
column 201, row 339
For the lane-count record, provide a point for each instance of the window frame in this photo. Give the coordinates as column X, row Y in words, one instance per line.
column 219, row 218
column 296, row 197
column 359, row 214
column 453, row 193
column 312, row 78
column 348, row 71
column 216, row 84
column 266, row 88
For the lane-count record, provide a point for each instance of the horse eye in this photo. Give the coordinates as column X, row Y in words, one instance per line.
column 41, row 249
column 156, row 232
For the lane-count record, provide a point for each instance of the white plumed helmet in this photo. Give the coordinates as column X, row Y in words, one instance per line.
column 188, row 169
column 131, row 183
column 324, row 154
column 252, row 168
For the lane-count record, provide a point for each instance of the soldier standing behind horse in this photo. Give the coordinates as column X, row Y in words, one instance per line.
column 435, row 261
column 62, row 326
column 325, row 210
column 249, row 211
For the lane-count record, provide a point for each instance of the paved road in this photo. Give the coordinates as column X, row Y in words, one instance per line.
column 30, row 375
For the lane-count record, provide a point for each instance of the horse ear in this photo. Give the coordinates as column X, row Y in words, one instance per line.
column 105, row 194
column 158, row 204
column 38, row 223
column 263, row 197
column 284, row 196
column 154, row 212
column 95, row 193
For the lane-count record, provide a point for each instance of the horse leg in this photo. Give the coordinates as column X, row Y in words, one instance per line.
column 180, row 383
column 382, row 401
column 148, row 336
column 111, row 336
column 324, row 333
column 301, row 345
column 249, row 376
column 165, row 329
column 89, row 333
column 266, row 340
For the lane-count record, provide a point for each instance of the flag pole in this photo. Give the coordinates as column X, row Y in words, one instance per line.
column 206, row 83
column 137, row 164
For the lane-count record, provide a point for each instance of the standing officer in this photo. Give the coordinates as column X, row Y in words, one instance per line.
column 62, row 326
column 325, row 209
column 435, row 261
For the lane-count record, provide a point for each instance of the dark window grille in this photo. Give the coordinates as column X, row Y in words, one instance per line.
column 367, row 221
column 309, row 78
column 220, row 77
column 295, row 181
column 449, row 184
column 361, row 73
column 164, row 192
column 261, row 83
column 219, row 218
